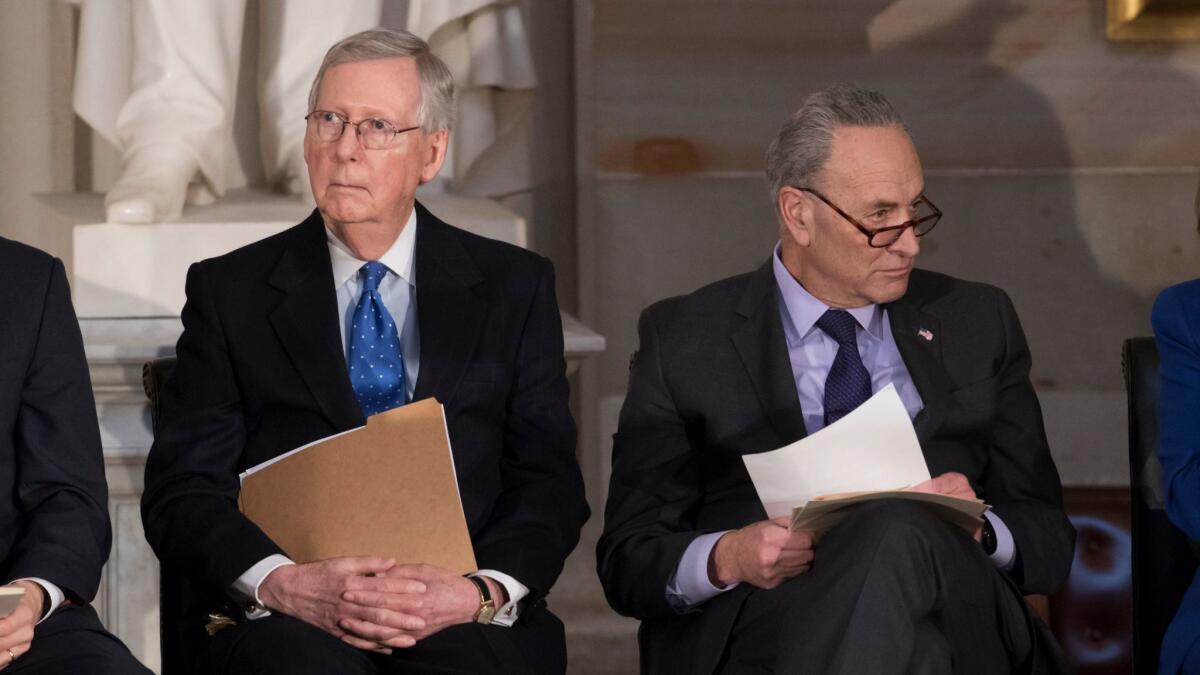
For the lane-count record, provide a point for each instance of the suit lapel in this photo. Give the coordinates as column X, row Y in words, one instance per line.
column 450, row 307
column 306, row 322
column 917, row 334
column 762, row 347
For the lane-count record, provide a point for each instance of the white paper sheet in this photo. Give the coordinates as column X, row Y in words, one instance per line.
column 259, row 467
column 872, row 448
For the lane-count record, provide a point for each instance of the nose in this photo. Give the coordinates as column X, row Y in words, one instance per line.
column 908, row 245
column 347, row 148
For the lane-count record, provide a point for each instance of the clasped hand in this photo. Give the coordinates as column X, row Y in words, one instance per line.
column 372, row 603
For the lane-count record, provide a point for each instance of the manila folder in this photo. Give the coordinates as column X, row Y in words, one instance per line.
column 387, row 489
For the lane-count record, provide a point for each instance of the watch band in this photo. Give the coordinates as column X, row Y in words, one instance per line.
column 487, row 606
column 987, row 538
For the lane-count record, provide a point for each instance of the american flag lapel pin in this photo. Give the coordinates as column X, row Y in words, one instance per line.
column 926, row 333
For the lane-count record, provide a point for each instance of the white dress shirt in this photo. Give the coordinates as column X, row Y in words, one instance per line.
column 812, row 352
column 54, row 595
column 398, row 290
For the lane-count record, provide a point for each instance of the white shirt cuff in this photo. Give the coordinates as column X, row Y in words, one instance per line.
column 54, row 595
column 246, row 586
column 509, row 612
column 1006, row 549
column 690, row 585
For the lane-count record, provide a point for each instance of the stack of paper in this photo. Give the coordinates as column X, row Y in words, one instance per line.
column 871, row 453
column 10, row 597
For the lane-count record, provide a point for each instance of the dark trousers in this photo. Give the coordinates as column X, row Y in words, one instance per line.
column 284, row 645
column 72, row 640
column 893, row 589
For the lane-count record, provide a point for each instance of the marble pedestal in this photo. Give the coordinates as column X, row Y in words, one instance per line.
column 128, row 286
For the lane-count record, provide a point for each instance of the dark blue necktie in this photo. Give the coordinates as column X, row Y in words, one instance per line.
column 376, row 362
column 848, row 383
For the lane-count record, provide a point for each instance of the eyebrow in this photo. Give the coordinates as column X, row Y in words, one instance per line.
column 889, row 204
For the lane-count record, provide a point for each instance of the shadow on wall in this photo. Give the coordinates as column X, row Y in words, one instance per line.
column 1011, row 204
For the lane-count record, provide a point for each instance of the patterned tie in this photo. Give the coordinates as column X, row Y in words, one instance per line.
column 848, row 383
column 376, row 363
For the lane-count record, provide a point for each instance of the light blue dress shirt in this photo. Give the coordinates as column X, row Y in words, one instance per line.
column 398, row 290
column 811, row 352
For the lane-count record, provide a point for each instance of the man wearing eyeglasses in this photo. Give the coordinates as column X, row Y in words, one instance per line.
column 757, row 361
column 266, row 364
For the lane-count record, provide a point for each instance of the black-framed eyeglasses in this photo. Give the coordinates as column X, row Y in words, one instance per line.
column 373, row 133
column 926, row 217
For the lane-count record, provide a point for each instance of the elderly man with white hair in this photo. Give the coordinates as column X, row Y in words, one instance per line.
column 264, row 366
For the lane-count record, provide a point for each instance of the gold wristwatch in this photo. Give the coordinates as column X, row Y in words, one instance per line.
column 487, row 606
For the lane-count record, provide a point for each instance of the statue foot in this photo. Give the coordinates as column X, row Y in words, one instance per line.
column 154, row 184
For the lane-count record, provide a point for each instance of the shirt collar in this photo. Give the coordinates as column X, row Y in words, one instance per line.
column 804, row 310
column 398, row 258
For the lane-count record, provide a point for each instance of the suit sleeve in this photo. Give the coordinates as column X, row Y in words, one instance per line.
column 538, row 515
column 649, row 519
column 61, row 492
column 189, row 508
column 1021, row 482
column 1179, row 405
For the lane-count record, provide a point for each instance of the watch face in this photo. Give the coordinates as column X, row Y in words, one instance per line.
column 486, row 614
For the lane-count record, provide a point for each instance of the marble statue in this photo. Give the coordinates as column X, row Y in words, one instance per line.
column 158, row 78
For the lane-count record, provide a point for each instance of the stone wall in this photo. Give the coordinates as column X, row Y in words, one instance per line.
column 1065, row 164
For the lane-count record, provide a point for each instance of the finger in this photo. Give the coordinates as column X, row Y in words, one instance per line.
column 367, row 564
column 368, row 630
column 784, row 572
column 397, row 602
column 381, row 617
column 801, row 539
column 954, row 483
column 420, row 572
column 388, row 584
column 923, row 486
column 366, row 645
column 16, row 641
column 795, row 558
column 782, row 521
column 404, row 641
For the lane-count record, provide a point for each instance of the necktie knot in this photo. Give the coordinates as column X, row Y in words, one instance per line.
column 839, row 325
column 372, row 273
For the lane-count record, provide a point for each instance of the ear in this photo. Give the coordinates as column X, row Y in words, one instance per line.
column 795, row 214
column 436, row 145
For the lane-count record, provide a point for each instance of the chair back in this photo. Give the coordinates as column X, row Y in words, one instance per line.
column 1163, row 562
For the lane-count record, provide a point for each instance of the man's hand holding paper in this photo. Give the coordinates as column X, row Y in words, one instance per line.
column 952, row 484
column 763, row 554
column 870, row 453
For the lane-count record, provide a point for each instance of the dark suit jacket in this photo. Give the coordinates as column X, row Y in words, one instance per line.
column 1176, row 320
column 53, row 510
column 712, row 382
column 261, row 370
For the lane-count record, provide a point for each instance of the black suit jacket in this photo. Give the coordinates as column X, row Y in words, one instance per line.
column 712, row 381
column 261, row 370
column 53, row 510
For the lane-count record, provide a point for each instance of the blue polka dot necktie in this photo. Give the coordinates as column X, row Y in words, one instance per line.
column 376, row 362
column 848, row 383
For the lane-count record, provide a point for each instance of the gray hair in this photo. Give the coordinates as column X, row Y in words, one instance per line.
column 436, row 110
column 802, row 147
